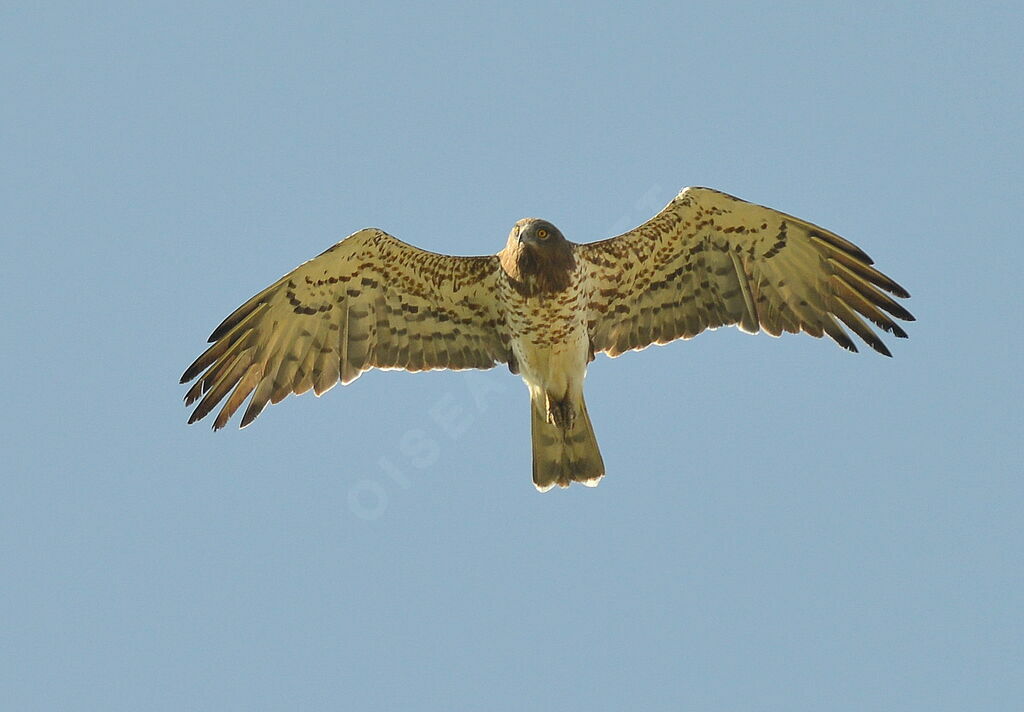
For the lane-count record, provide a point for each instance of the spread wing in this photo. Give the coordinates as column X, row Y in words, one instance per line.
column 369, row 301
column 709, row 260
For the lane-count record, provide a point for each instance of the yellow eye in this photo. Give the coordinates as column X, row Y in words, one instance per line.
column 542, row 234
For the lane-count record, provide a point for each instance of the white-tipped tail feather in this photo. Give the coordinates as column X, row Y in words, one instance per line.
column 564, row 455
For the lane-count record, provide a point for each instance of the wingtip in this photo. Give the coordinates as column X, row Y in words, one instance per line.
column 193, row 395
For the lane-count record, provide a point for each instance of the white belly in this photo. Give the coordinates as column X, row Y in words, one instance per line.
column 556, row 369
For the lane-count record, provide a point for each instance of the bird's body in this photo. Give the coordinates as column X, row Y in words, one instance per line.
column 546, row 297
column 544, row 306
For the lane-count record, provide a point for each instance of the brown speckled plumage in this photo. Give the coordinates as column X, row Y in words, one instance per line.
column 544, row 306
column 371, row 301
column 709, row 260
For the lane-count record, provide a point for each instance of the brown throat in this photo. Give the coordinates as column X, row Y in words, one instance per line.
column 535, row 271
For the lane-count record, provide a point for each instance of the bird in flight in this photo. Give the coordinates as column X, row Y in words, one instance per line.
column 544, row 306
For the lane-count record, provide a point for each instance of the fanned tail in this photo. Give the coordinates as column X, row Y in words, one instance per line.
column 562, row 456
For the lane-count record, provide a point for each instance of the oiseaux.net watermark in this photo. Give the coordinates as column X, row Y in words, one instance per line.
column 448, row 421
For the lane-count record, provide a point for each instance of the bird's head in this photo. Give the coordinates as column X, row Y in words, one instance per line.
column 537, row 257
column 537, row 234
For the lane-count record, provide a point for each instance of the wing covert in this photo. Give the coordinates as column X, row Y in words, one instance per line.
column 709, row 259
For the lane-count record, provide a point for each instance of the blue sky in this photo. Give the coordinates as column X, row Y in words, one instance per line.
column 783, row 526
